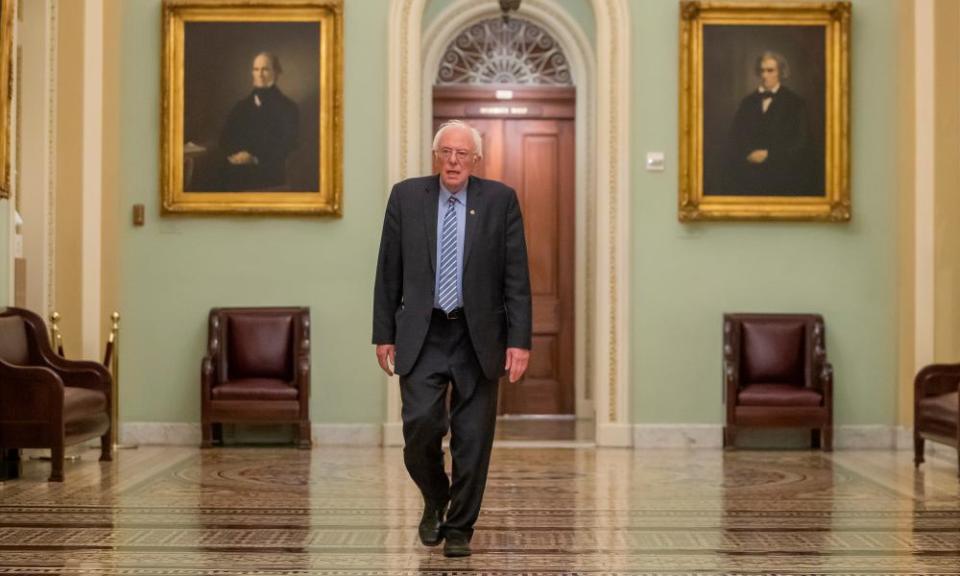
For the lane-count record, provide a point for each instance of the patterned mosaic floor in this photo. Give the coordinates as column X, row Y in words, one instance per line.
column 338, row 511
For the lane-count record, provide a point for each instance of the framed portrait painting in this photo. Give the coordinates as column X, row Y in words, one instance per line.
column 764, row 111
column 6, row 74
column 252, row 106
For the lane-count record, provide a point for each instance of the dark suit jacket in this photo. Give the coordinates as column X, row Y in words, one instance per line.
column 496, row 280
column 784, row 132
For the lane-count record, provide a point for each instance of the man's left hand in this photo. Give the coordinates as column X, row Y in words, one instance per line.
column 517, row 359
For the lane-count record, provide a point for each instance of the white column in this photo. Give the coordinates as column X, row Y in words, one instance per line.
column 611, row 340
column 92, row 175
column 924, row 183
column 36, row 35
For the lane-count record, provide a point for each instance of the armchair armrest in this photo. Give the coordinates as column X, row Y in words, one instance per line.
column 936, row 379
column 303, row 353
column 731, row 377
column 80, row 373
column 207, row 374
column 91, row 378
column 826, row 383
column 29, row 391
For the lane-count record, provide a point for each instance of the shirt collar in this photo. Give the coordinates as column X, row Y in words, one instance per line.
column 763, row 90
column 445, row 195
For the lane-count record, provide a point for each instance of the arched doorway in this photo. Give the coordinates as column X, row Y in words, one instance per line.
column 602, row 154
column 511, row 80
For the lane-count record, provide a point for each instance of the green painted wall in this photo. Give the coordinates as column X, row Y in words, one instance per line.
column 175, row 269
column 685, row 276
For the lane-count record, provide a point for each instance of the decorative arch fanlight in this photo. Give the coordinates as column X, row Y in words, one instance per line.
column 504, row 51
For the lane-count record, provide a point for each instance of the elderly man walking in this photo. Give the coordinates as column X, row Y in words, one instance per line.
column 451, row 307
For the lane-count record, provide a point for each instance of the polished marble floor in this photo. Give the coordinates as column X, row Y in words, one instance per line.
column 338, row 511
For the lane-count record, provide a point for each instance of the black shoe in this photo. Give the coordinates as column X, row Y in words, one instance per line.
column 457, row 545
column 430, row 522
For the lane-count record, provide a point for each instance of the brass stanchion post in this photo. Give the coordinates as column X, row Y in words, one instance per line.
column 112, row 361
column 56, row 339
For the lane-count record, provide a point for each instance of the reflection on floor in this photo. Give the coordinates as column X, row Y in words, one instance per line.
column 165, row 510
column 545, row 430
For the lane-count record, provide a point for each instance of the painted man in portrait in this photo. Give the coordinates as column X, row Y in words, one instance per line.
column 770, row 143
column 259, row 133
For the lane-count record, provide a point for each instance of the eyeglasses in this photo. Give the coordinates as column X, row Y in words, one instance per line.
column 460, row 155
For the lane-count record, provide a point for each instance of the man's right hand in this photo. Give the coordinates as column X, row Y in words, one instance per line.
column 385, row 356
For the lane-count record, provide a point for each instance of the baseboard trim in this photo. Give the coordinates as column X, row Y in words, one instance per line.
column 188, row 434
column 393, row 434
column 347, row 435
column 641, row 436
column 160, row 433
column 677, row 436
column 615, row 435
column 850, row 437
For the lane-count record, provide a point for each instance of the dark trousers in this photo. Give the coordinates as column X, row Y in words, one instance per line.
column 447, row 356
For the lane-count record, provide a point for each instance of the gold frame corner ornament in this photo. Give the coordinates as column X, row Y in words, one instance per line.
column 834, row 205
column 327, row 201
column 7, row 8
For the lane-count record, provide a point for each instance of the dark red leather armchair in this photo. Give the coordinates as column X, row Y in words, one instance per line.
column 776, row 375
column 936, row 408
column 257, row 370
column 47, row 401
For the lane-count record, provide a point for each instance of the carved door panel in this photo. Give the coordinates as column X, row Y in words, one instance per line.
column 534, row 154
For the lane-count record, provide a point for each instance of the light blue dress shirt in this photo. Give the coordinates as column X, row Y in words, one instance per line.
column 461, row 208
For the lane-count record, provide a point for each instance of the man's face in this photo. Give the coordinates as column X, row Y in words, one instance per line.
column 457, row 158
column 769, row 73
column 263, row 73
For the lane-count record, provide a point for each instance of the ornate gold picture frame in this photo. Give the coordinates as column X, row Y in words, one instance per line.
column 252, row 106
column 6, row 81
column 764, row 111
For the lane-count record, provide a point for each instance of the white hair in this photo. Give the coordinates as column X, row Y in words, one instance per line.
column 477, row 140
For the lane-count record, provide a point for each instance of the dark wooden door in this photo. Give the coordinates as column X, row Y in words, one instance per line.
column 528, row 144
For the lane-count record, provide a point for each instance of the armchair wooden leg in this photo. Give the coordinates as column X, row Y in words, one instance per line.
column 206, row 431
column 918, row 445
column 305, row 442
column 729, row 437
column 815, row 437
column 10, row 460
column 826, row 436
column 56, row 464
column 106, row 448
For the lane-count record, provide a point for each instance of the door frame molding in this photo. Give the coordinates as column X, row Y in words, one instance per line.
column 602, row 116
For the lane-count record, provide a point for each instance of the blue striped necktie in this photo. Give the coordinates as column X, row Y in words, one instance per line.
column 448, row 298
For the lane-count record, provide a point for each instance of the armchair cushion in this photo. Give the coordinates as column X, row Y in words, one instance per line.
column 259, row 347
column 13, row 346
column 254, row 389
column 83, row 410
column 82, row 402
column 773, row 352
column 778, row 395
column 940, row 410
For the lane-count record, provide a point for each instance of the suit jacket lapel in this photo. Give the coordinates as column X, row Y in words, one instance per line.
column 430, row 198
column 475, row 208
